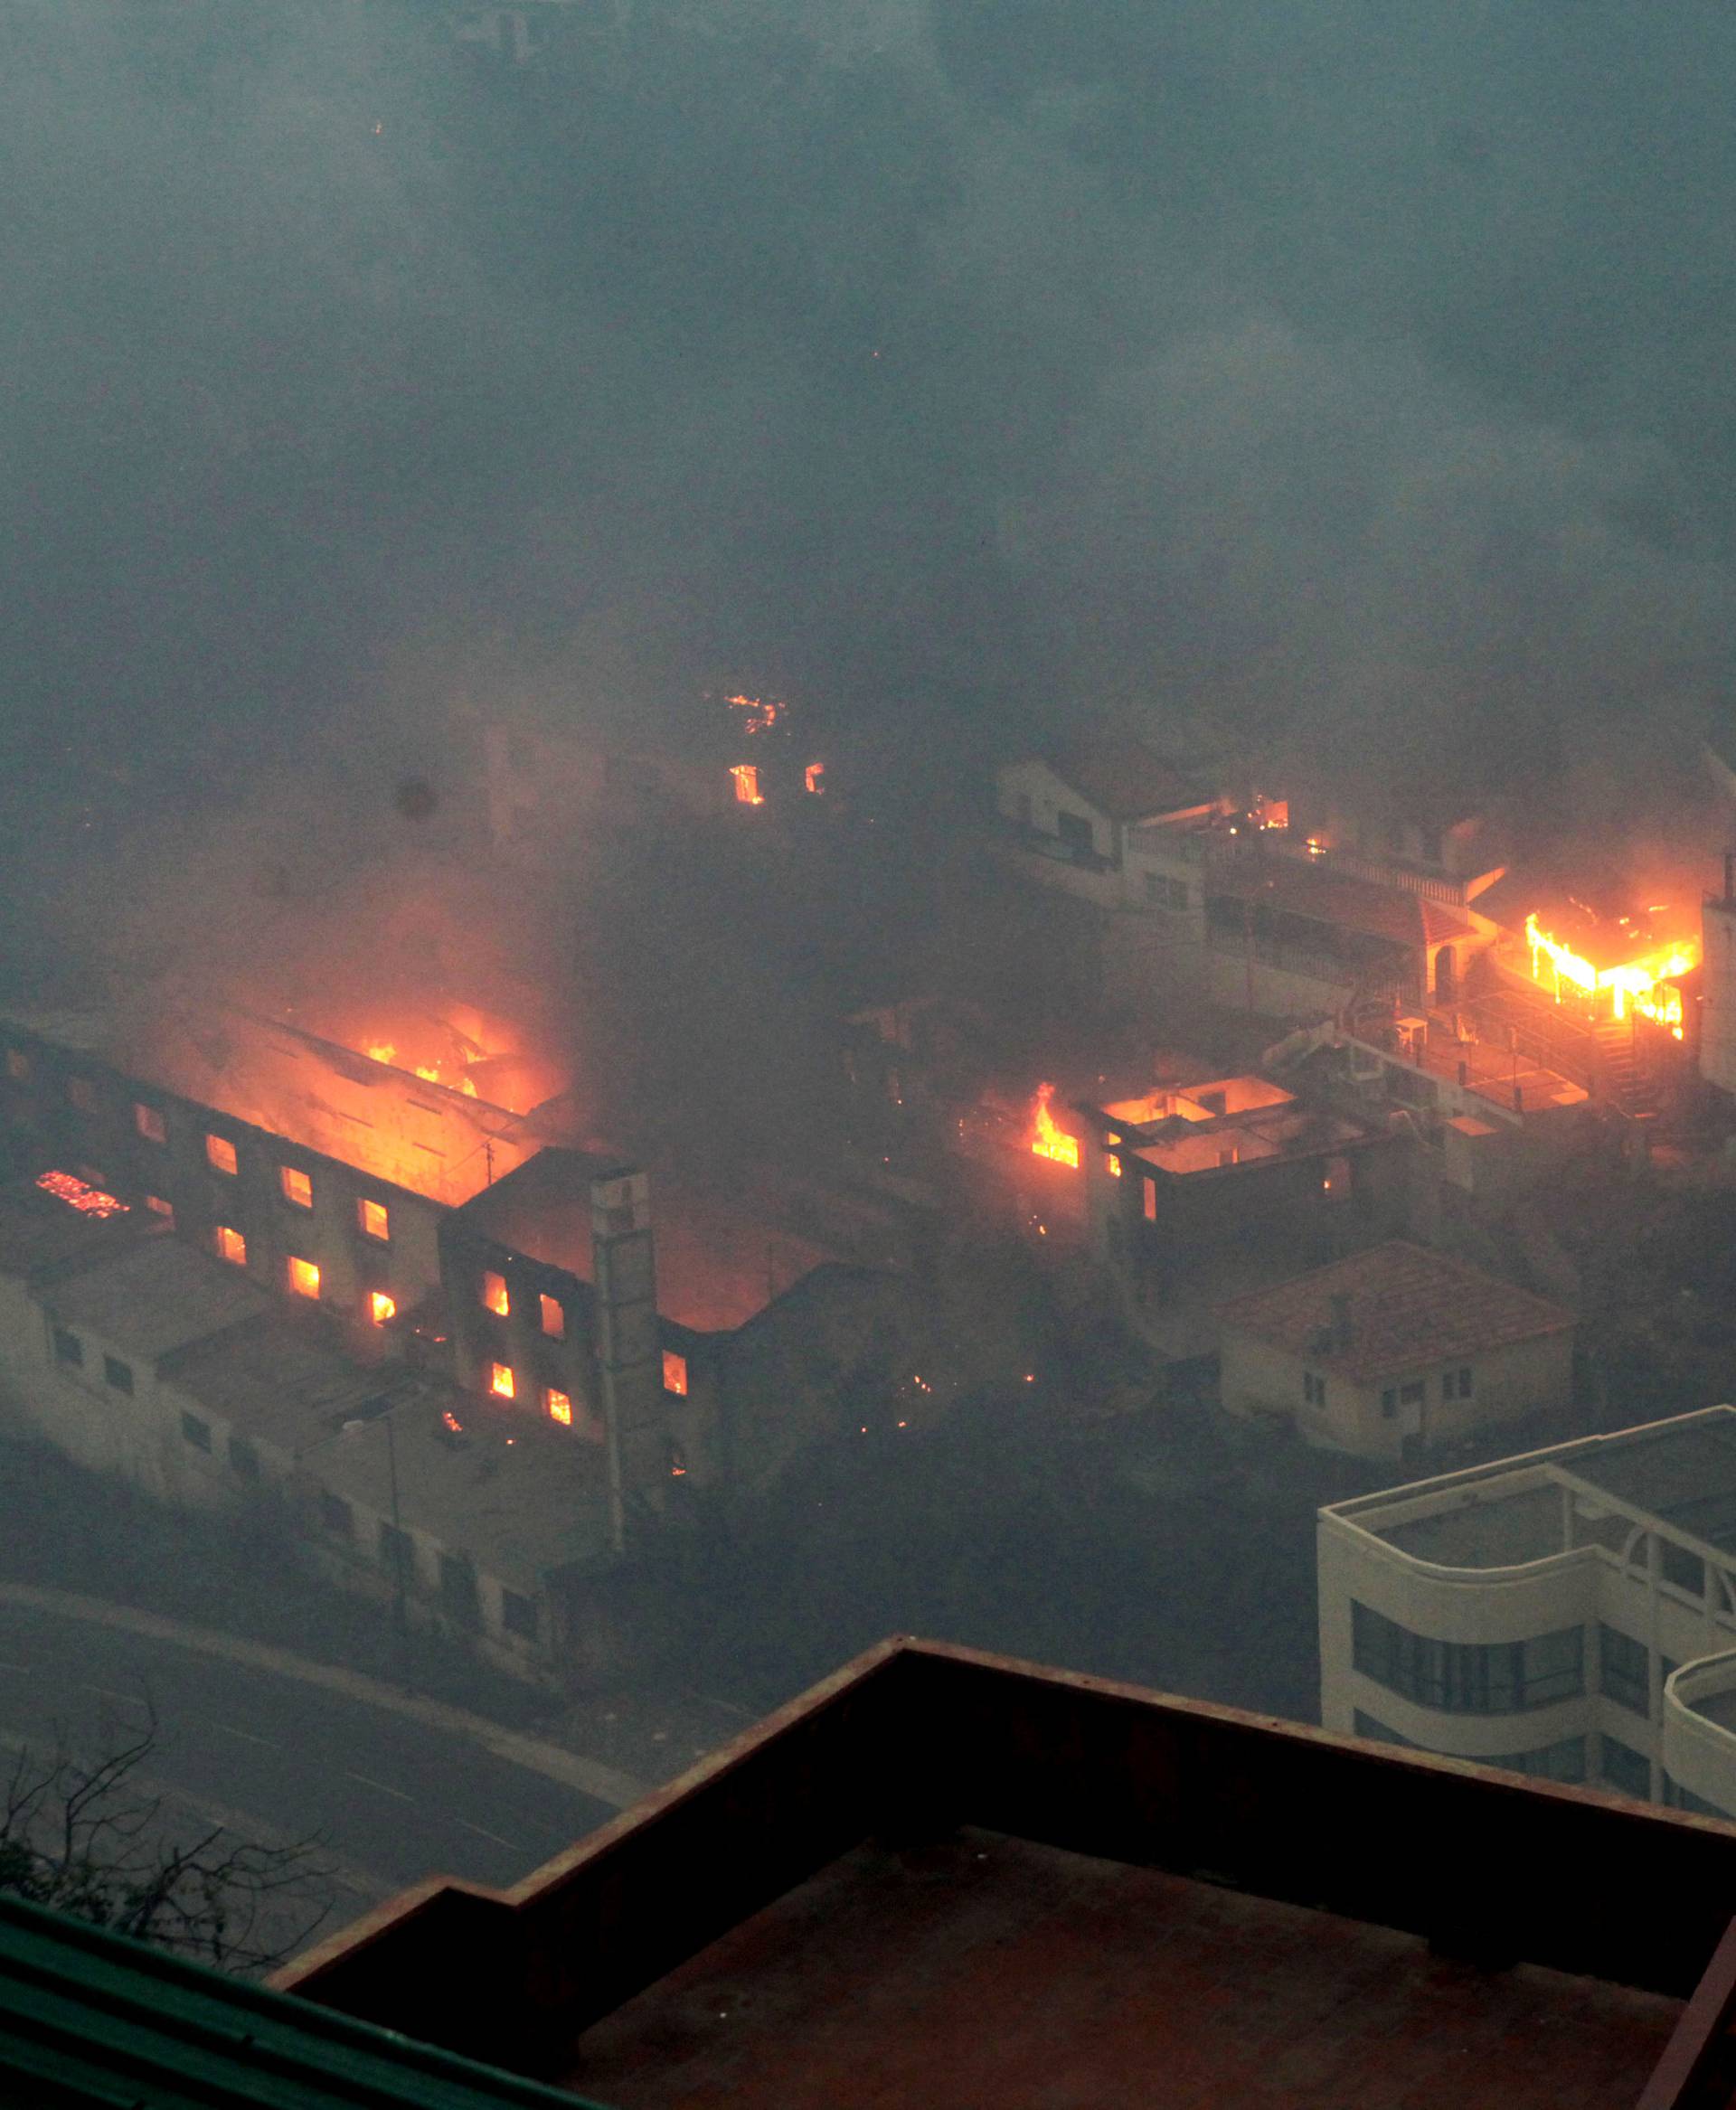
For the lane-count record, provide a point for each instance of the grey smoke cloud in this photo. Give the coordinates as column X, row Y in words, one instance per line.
column 1350, row 376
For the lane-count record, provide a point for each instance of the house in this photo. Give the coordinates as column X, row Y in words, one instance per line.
column 1106, row 820
column 944, row 1877
column 1570, row 1612
column 1393, row 1351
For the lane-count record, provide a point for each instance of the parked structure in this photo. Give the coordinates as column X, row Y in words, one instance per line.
column 1570, row 1612
column 1393, row 1351
column 1054, row 1902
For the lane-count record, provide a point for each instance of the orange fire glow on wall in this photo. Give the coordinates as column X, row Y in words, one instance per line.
column 747, row 783
column 1047, row 1140
column 1642, row 983
column 453, row 1075
column 80, row 1194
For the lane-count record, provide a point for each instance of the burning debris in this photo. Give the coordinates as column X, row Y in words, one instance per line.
column 79, row 1194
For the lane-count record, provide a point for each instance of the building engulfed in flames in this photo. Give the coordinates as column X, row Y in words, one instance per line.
column 1047, row 1140
column 1642, row 981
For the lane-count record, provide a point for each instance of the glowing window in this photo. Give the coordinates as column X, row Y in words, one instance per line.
column 1112, row 1165
column 559, row 1407
column 297, row 1186
column 493, row 1294
column 219, row 1153
column 158, row 1207
column 230, row 1246
column 1151, row 1202
column 814, row 776
column 17, row 1065
column 500, row 1380
column 381, row 1307
column 747, row 783
column 554, row 1320
column 675, row 1371
column 374, row 1220
column 150, row 1124
column 304, row 1277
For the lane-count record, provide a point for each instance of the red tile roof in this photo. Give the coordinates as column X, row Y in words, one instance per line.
column 1409, row 1306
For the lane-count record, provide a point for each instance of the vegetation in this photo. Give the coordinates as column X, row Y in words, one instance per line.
column 92, row 1841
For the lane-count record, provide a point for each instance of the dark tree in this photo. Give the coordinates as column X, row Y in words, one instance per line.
column 92, row 1841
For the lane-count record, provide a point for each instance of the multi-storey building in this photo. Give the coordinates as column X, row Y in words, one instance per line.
column 1570, row 1612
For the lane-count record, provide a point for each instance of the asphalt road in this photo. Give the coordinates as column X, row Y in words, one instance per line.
column 392, row 1799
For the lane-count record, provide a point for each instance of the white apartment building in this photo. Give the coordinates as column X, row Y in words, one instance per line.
column 1568, row 1614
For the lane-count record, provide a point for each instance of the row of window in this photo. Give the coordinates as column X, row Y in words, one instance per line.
column 301, row 1276
column 295, row 1186
column 70, row 1350
column 1618, row 1764
column 1455, row 1384
column 242, row 1456
column 496, row 1298
column 1501, row 1677
column 1468, row 1677
column 457, row 1577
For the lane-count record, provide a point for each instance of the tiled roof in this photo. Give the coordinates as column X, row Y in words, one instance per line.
column 1409, row 1307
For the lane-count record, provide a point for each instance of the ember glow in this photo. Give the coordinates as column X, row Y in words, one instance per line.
column 452, row 1075
column 77, row 1194
column 759, row 714
column 1643, row 985
column 381, row 1307
column 1047, row 1140
column 747, row 783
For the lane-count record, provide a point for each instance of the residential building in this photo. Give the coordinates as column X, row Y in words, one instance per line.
column 1570, row 1612
column 1106, row 820
column 1393, row 1351
column 1077, row 1891
column 1229, row 1173
column 1718, row 1003
column 143, row 1360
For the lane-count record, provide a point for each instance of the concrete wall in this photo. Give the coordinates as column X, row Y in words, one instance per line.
column 1239, row 983
column 1521, row 1378
column 1618, row 1583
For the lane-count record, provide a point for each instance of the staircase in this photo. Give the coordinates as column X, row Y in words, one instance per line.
column 1630, row 1088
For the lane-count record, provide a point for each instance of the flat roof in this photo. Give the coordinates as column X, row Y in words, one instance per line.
column 1502, row 1531
column 1409, row 1307
column 1679, row 1473
column 1250, row 1139
column 521, row 1495
column 1084, row 1893
column 982, row 1969
column 1241, row 1094
column 155, row 1296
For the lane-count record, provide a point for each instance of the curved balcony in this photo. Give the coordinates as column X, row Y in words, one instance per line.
column 1700, row 1730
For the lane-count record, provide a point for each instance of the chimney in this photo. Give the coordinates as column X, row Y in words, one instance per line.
column 1341, row 1329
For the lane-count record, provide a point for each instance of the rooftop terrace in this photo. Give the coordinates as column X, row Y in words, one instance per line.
column 947, row 1879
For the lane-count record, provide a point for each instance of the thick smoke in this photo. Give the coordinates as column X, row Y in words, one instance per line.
column 1347, row 378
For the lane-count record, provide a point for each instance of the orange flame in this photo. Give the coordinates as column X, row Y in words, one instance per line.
column 747, row 783
column 1047, row 1141
column 1641, row 983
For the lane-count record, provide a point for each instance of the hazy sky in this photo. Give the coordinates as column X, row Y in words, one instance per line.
column 1318, row 369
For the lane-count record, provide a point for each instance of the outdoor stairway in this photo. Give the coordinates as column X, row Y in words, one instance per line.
column 1630, row 1088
